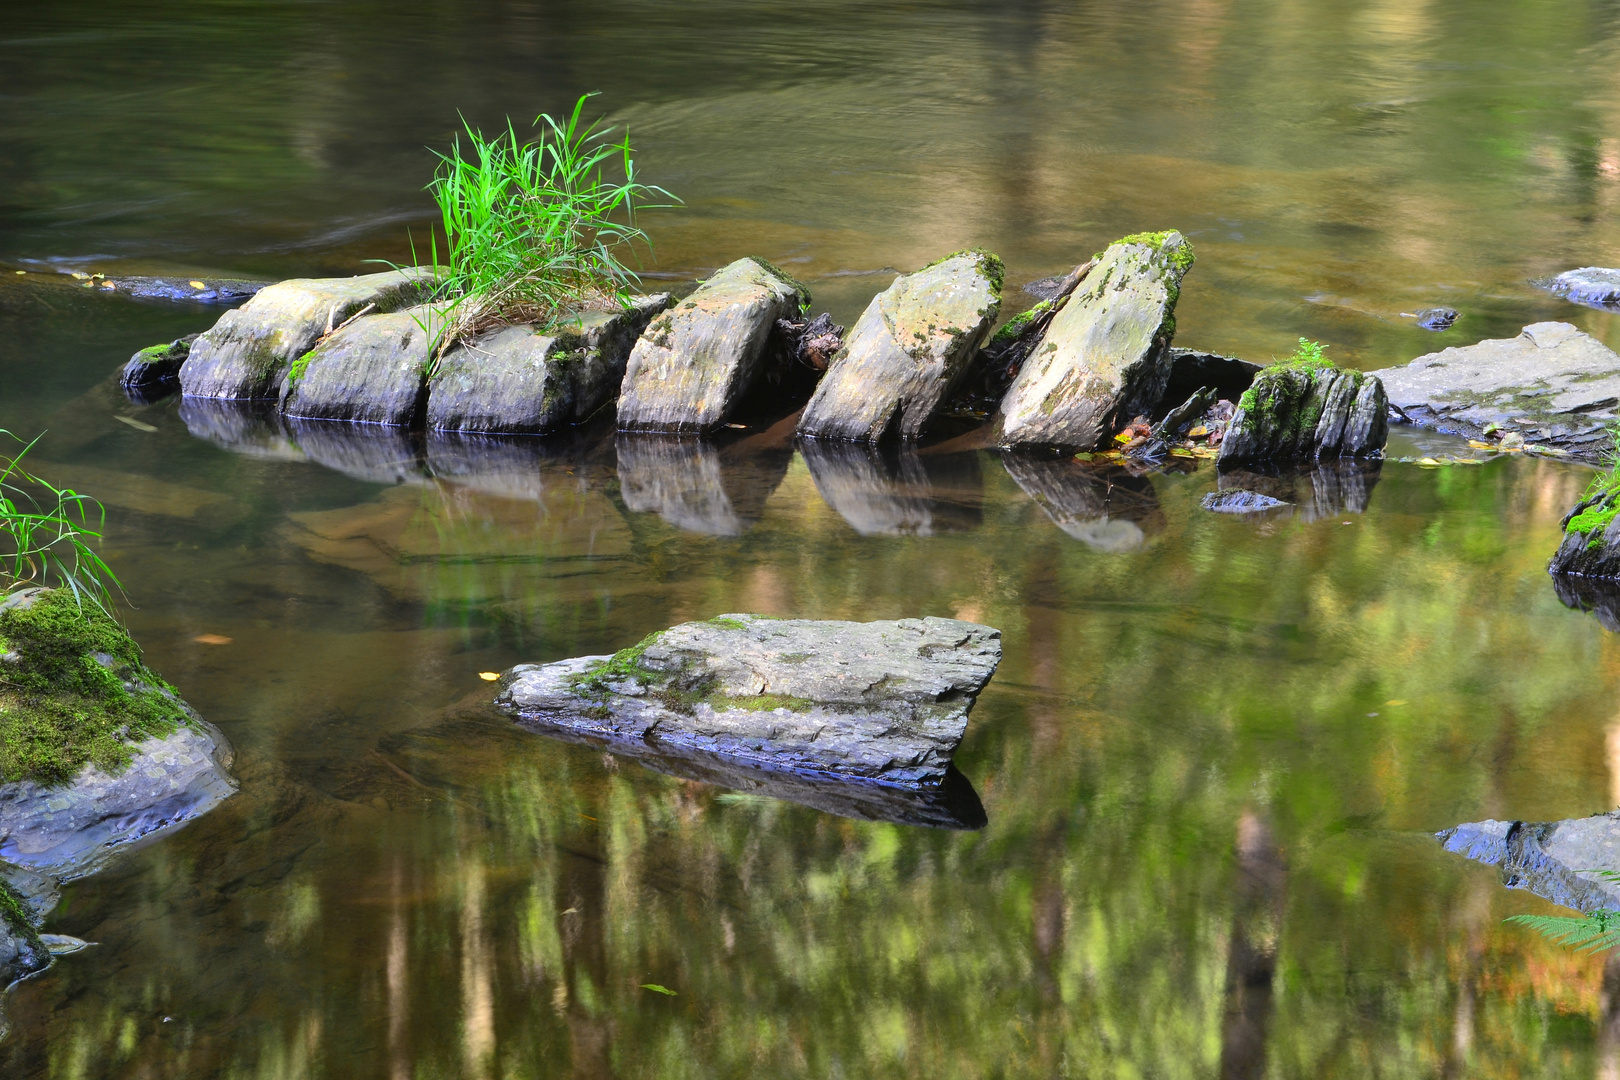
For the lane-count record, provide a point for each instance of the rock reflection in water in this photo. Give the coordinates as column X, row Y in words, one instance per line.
column 881, row 491
column 516, row 466
column 371, row 452
column 1109, row 509
column 697, row 486
column 1325, row 489
column 1600, row 597
column 252, row 429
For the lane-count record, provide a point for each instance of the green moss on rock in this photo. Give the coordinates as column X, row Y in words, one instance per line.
column 798, row 286
column 19, row 920
column 74, row 689
column 989, row 262
column 1181, row 259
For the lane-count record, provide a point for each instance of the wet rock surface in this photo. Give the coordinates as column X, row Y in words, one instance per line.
column 185, row 289
column 696, row 363
column 909, row 350
column 1297, row 412
column 1553, row 385
column 522, row 380
column 1435, row 318
column 156, row 366
column 1548, row 858
column 1105, row 357
column 247, row 353
column 1595, row 286
column 1591, row 544
column 881, row 701
column 373, row 371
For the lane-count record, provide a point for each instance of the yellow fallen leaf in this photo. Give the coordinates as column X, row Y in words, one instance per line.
column 22, row 271
column 1180, row 452
column 134, row 423
column 1198, row 432
column 198, row 285
column 212, row 639
column 489, row 676
column 1205, row 452
column 1084, row 457
column 1124, row 437
column 1477, row 445
column 80, row 275
column 1394, row 701
column 1428, row 462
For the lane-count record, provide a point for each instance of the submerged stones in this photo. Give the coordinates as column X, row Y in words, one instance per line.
column 699, row 361
column 907, row 352
column 1105, row 356
column 1552, row 385
column 880, row 701
column 1595, row 286
column 525, row 380
column 1307, row 411
column 248, row 352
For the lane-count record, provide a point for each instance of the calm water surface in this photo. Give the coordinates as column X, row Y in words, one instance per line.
column 1215, row 748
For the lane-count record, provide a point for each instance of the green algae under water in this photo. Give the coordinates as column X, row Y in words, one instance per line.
column 1213, row 754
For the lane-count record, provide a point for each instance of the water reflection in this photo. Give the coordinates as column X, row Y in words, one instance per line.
column 695, row 485
column 374, row 453
column 1324, row 489
column 1596, row 595
column 896, row 491
column 241, row 427
column 1109, row 509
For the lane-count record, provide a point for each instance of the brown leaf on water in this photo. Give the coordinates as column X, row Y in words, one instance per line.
column 212, row 639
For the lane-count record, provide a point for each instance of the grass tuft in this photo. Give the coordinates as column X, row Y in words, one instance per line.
column 46, row 533
column 535, row 229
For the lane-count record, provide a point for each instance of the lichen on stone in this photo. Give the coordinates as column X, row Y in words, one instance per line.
column 989, row 262
column 74, row 689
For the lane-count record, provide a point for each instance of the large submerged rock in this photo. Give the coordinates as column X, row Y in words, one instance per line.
column 522, row 380
column 908, row 351
column 1553, row 859
column 1552, row 384
column 247, row 353
column 373, row 371
column 1105, row 358
column 1307, row 411
column 695, row 364
column 880, row 701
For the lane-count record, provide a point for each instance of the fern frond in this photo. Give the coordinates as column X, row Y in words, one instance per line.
column 1591, row 933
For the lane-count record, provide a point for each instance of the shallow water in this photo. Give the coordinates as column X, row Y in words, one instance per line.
column 1212, row 755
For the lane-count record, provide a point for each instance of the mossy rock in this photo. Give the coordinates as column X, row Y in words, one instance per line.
column 1307, row 410
column 74, row 690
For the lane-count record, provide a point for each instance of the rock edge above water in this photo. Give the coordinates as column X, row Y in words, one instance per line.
column 1549, row 858
column 882, row 702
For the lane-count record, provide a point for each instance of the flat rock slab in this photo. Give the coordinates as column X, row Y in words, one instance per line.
column 1105, row 358
column 1301, row 412
column 520, row 380
column 372, row 371
column 880, row 701
column 247, row 353
column 907, row 352
column 1595, row 286
column 71, row 831
column 1549, row 858
column 697, row 362
column 1553, row 384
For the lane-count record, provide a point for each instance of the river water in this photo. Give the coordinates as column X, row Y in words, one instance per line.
column 1215, row 750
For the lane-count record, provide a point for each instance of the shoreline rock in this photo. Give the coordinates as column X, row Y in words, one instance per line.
column 1553, row 385
column 1105, row 357
column 909, row 350
column 882, row 702
column 1594, row 286
column 697, row 362
column 1548, row 858
column 372, row 371
column 156, row 366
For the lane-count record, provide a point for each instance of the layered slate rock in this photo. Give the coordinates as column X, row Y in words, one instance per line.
column 1596, row 286
column 1105, row 357
column 1552, row 384
column 881, row 701
column 524, row 380
column 1307, row 411
column 696, row 363
column 1552, row 859
column 908, row 351
column 156, row 366
column 247, row 353
column 372, row 371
